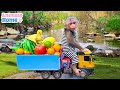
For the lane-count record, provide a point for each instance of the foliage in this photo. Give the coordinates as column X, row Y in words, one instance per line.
column 56, row 15
column 44, row 18
column 102, row 19
column 26, row 16
column 111, row 23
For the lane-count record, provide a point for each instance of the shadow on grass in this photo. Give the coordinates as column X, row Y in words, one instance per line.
column 9, row 63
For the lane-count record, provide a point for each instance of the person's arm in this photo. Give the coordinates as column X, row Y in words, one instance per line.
column 71, row 40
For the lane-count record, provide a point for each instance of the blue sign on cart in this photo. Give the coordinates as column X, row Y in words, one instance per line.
column 38, row 62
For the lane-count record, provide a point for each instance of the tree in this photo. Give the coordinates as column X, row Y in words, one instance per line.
column 26, row 17
column 113, row 25
column 111, row 22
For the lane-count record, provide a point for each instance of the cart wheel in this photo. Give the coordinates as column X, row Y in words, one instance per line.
column 45, row 74
column 83, row 73
column 57, row 74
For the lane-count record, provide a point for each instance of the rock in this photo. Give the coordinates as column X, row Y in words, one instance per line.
column 99, row 52
column 30, row 29
column 90, row 40
column 110, row 35
column 2, row 33
column 20, row 36
column 90, row 47
column 12, row 31
column 9, row 31
column 117, row 38
column 110, row 53
column 12, row 36
column 107, row 53
column 117, row 52
column 95, row 49
column 3, row 37
column 6, row 49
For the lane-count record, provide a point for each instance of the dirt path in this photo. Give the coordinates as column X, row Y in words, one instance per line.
column 32, row 75
column 25, row 75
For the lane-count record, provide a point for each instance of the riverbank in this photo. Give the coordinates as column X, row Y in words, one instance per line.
column 106, row 68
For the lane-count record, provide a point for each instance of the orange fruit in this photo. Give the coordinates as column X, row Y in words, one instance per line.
column 19, row 51
column 25, row 51
column 57, row 53
column 50, row 51
column 57, row 47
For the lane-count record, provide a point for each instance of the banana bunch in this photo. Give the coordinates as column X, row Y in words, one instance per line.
column 28, row 45
column 35, row 37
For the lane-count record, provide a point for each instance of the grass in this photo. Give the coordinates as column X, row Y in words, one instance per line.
column 8, row 65
column 106, row 68
column 114, row 43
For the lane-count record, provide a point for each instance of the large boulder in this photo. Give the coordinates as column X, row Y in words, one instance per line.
column 2, row 33
column 90, row 47
column 12, row 31
column 5, row 49
column 117, row 52
column 107, row 53
column 110, row 53
column 99, row 52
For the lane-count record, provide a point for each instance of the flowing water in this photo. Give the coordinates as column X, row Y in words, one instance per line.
column 99, row 41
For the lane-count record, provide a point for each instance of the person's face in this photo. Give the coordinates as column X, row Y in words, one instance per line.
column 72, row 25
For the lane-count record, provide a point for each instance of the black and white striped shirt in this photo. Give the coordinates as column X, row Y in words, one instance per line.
column 65, row 46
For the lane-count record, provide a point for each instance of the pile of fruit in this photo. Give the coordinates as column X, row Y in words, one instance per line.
column 48, row 46
column 36, row 46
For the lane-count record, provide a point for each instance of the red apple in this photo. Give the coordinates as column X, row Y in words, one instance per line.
column 39, row 49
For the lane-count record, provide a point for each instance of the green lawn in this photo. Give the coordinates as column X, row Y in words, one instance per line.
column 106, row 68
column 8, row 65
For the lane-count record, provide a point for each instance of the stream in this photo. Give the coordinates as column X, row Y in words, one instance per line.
column 99, row 41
